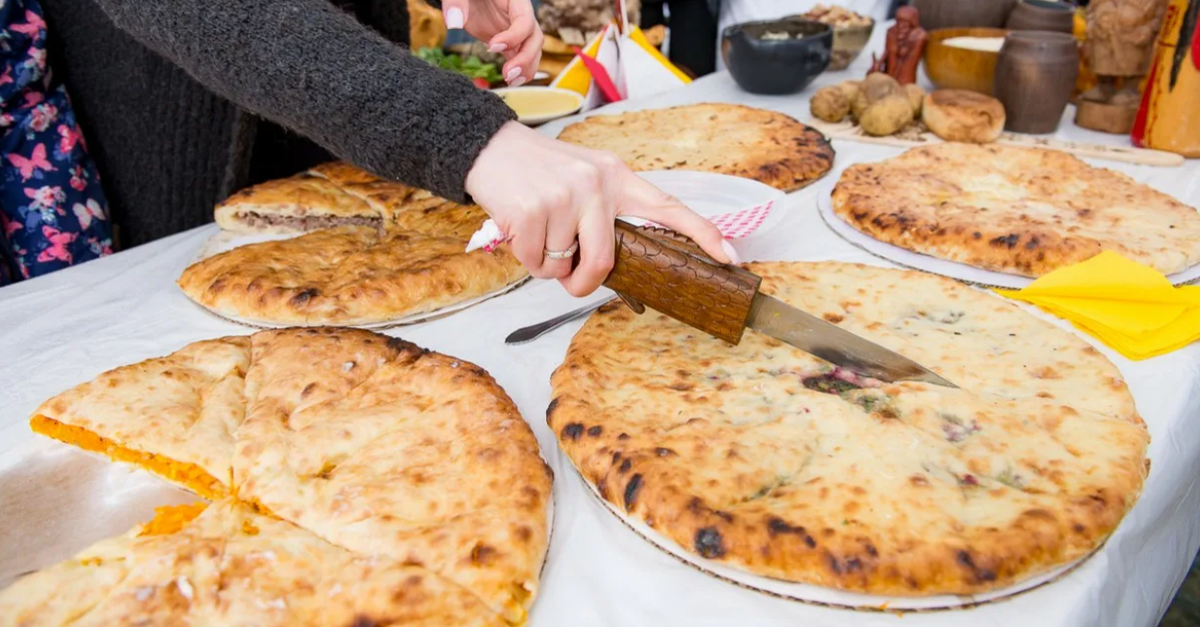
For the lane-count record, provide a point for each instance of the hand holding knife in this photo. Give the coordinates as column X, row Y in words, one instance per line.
column 671, row 274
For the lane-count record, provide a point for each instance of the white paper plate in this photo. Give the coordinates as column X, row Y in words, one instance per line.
column 223, row 241
column 711, row 194
column 818, row 595
column 943, row 267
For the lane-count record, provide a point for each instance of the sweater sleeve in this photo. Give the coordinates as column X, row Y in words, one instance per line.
column 309, row 67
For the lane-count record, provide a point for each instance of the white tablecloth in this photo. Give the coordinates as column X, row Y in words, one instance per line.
column 64, row 329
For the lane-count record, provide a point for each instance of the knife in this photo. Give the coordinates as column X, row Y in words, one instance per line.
column 668, row 272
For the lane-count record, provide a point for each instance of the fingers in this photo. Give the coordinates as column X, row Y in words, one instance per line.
column 454, row 12
column 560, row 236
column 643, row 200
column 521, row 44
column 528, row 243
column 596, row 254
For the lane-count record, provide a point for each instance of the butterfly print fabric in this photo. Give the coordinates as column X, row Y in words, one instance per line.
column 52, row 209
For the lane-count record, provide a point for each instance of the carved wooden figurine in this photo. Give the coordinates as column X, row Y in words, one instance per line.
column 905, row 43
column 1120, row 44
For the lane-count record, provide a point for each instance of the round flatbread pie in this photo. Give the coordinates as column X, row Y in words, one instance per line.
column 768, row 459
column 1022, row 211
column 356, row 477
column 766, row 146
column 350, row 275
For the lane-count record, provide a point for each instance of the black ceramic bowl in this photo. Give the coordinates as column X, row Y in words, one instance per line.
column 762, row 65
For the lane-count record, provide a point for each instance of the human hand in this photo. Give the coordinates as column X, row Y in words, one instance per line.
column 546, row 194
column 508, row 26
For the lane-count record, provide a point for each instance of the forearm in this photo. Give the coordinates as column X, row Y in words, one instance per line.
column 308, row 66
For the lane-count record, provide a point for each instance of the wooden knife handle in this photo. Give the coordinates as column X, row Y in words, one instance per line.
column 671, row 274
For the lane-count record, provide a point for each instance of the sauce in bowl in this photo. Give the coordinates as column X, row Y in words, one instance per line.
column 534, row 105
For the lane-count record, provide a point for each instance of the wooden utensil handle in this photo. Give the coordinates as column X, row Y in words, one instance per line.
column 671, row 274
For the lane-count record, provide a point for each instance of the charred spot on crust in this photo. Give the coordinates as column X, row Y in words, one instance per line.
column 1032, row 243
column 304, row 296
column 399, row 345
column 977, row 235
column 709, row 543
column 777, row 526
column 625, row 465
column 482, row 554
column 871, row 550
column 834, row 565
column 663, row 452
column 631, row 491
column 1009, row 240
column 980, row 574
column 308, row 389
column 363, row 621
column 572, row 431
column 623, row 436
column 595, row 431
column 551, row 407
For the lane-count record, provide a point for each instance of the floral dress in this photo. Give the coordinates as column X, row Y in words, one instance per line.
column 52, row 209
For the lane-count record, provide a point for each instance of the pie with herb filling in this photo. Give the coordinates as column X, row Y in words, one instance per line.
column 404, row 477
column 1023, row 211
column 768, row 459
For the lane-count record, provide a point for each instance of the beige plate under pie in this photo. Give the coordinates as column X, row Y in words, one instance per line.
column 821, row 596
column 223, row 241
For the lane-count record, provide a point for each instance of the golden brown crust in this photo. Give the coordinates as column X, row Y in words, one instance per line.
column 346, row 275
column 446, row 474
column 768, row 147
column 958, row 115
column 339, row 194
column 381, row 456
column 300, row 197
column 1017, row 210
column 764, row 458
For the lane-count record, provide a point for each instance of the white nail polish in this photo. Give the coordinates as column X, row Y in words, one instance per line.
column 497, row 47
column 512, row 74
column 730, row 252
column 454, row 18
column 517, row 83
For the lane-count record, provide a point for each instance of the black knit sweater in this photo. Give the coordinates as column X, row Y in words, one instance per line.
column 174, row 134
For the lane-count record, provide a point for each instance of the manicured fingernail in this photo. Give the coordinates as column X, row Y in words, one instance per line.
column 517, row 83
column 730, row 252
column 497, row 47
column 454, row 18
column 512, row 74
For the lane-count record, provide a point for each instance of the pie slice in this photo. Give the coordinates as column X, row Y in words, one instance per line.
column 298, row 204
column 346, row 276
column 339, row 194
column 765, row 146
column 175, row 416
column 361, row 452
column 233, row 567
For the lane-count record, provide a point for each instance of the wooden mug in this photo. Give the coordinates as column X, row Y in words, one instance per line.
column 1035, row 77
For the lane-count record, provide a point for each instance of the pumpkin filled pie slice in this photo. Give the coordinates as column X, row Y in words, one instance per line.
column 224, row 564
column 175, row 416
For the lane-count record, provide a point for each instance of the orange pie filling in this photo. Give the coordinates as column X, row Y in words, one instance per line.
column 171, row 518
column 188, row 475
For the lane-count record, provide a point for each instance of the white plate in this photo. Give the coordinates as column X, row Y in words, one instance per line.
column 533, row 120
column 711, row 194
column 943, row 267
column 818, row 595
column 224, row 241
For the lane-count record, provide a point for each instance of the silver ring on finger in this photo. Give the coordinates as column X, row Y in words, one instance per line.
column 562, row 254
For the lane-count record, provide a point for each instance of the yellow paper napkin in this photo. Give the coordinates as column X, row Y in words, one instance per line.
column 1128, row 306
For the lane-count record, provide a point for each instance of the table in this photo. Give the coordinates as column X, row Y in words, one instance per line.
column 65, row 328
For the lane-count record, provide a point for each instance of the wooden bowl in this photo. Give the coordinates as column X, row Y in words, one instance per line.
column 938, row 14
column 950, row 67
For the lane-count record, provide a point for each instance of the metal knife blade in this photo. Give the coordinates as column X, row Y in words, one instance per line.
column 834, row 344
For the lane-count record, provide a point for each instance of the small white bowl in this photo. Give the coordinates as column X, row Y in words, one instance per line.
column 533, row 120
